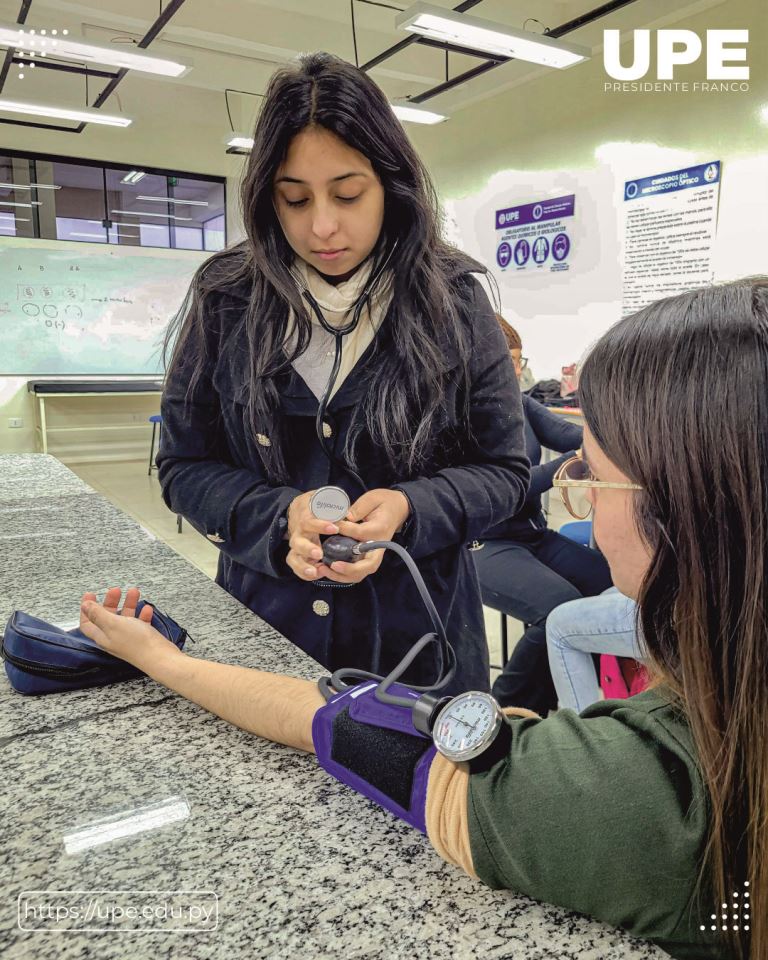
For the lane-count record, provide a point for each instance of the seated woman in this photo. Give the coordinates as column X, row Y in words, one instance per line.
column 646, row 813
column 527, row 570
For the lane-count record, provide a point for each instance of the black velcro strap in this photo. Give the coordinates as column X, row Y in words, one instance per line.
column 384, row 758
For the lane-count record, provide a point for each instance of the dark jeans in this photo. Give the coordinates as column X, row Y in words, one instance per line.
column 527, row 579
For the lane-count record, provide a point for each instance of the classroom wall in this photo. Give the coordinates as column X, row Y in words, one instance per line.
column 557, row 133
column 561, row 134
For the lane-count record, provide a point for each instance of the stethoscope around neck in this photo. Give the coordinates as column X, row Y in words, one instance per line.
column 359, row 305
column 339, row 333
column 427, row 705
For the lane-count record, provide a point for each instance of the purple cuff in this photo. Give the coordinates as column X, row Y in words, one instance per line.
column 393, row 755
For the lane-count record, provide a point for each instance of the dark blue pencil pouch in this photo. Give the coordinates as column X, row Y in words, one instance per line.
column 43, row 658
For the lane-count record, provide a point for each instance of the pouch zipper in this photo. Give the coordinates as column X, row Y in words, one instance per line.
column 60, row 673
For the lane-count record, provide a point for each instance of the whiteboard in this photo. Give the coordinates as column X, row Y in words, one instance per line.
column 73, row 309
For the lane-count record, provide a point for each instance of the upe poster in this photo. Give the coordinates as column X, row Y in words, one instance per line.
column 536, row 236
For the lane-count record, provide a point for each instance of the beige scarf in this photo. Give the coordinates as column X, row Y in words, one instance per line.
column 336, row 303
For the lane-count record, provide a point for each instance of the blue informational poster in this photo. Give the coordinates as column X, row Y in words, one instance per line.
column 536, row 236
column 670, row 223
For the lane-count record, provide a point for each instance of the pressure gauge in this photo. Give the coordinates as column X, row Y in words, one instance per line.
column 467, row 725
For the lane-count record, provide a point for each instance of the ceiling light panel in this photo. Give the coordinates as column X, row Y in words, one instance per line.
column 486, row 36
column 67, row 49
column 63, row 113
column 410, row 113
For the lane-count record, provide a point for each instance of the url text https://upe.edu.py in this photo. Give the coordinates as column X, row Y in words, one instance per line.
column 120, row 911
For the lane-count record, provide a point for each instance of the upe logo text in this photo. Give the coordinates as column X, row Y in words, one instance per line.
column 724, row 49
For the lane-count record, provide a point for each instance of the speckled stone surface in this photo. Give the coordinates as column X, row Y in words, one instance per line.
column 302, row 866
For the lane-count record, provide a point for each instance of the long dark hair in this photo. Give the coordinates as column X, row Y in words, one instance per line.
column 402, row 407
column 677, row 397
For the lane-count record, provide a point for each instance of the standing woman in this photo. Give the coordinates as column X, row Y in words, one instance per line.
column 415, row 412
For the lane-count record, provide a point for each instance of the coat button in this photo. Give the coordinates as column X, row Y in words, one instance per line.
column 215, row 538
column 263, row 440
column 321, row 608
column 327, row 430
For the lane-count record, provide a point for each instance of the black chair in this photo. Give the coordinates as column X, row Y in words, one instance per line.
column 157, row 421
column 505, row 641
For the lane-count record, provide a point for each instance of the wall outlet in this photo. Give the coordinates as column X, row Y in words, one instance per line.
column 15, row 421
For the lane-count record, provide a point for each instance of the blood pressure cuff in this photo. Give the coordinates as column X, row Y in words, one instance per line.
column 374, row 748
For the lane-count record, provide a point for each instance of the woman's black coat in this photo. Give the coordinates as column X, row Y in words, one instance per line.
column 211, row 472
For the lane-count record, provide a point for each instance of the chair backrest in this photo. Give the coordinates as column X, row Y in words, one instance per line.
column 621, row 677
column 578, row 530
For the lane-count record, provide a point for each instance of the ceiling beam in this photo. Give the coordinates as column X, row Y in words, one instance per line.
column 158, row 25
column 413, row 38
column 39, row 126
column 145, row 41
column 457, row 80
column 455, row 48
column 49, row 64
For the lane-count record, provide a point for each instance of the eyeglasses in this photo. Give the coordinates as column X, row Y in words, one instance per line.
column 523, row 362
column 574, row 479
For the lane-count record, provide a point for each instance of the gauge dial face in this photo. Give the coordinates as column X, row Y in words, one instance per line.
column 467, row 725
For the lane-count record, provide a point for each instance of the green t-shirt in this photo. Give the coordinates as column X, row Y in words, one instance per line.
column 604, row 813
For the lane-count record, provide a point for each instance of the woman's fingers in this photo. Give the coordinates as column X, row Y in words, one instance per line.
column 305, row 560
column 112, row 604
column 125, row 637
column 349, row 529
column 112, row 599
column 309, row 525
column 83, row 619
column 324, row 572
column 94, row 623
column 368, row 529
column 309, row 550
column 340, row 576
column 302, row 569
column 343, row 572
column 132, row 595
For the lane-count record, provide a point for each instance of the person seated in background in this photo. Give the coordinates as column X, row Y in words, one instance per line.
column 578, row 630
column 645, row 813
column 525, row 376
column 527, row 570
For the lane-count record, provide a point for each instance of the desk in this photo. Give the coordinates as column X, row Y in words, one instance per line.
column 568, row 412
column 302, row 866
column 59, row 389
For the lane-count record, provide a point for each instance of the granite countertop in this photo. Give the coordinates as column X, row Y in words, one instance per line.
column 298, row 864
